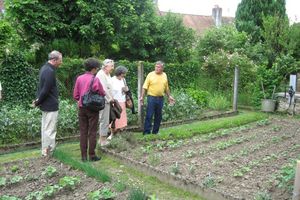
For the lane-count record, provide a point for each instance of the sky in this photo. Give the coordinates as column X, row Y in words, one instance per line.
column 204, row 7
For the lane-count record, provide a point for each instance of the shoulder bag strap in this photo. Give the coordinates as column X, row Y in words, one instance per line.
column 91, row 84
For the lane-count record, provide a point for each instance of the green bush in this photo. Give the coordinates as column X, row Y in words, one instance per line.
column 218, row 102
column 20, row 124
column 18, row 79
column 67, row 74
column 184, row 108
column 200, row 96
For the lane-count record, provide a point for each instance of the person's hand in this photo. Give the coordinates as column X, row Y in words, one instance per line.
column 33, row 105
column 142, row 100
column 171, row 100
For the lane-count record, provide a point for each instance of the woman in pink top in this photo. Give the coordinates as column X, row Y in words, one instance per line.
column 88, row 120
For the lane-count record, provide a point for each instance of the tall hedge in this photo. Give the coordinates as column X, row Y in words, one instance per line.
column 18, row 79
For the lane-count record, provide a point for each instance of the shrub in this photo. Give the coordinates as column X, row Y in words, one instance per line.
column 200, row 96
column 18, row 79
column 218, row 102
column 19, row 124
column 184, row 108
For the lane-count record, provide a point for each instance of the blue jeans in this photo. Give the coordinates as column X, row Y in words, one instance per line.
column 154, row 107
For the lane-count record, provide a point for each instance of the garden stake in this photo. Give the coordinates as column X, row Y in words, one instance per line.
column 296, row 192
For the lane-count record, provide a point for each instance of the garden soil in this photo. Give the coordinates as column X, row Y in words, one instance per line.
column 34, row 180
column 242, row 163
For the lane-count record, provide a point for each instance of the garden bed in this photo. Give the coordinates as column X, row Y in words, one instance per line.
column 44, row 178
column 246, row 162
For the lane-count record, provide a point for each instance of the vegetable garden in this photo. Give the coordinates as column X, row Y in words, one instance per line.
column 247, row 156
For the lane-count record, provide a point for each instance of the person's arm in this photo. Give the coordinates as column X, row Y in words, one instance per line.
column 49, row 81
column 171, row 100
column 76, row 94
column 104, row 83
column 97, row 86
column 142, row 96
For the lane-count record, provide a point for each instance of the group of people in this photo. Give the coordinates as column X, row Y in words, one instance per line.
column 113, row 89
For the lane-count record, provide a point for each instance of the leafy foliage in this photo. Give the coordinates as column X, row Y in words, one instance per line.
column 218, row 102
column 18, row 79
column 137, row 194
column 250, row 13
column 19, row 124
column 226, row 38
column 173, row 41
column 104, row 193
column 200, row 96
column 69, row 182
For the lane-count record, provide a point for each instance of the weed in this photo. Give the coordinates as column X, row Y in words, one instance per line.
column 286, row 176
column 2, row 181
column 69, row 182
column 50, row 171
column 119, row 144
column 16, row 179
column 230, row 157
column 104, row 193
column 35, row 195
column 263, row 122
column 189, row 154
column 148, row 149
column 209, row 181
column 30, row 177
column 175, row 169
column 244, row 152
column 120, row 186
column 50, row 190
column 137, row 194
column 26, row 163
column 276, row 139
column 264, row 195
column 242, row 171
column 14, row 168
column 154, row 159
column 218, row 102
column 276, row 128
column 174, row 144
column 202, row 151
column 153, row 197
column 6, row 197
column 192, row 169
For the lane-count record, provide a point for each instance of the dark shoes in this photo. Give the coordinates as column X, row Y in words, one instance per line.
column 95, row 158
column 92, row 159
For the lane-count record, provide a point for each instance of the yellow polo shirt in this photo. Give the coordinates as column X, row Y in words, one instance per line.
column 156, row 84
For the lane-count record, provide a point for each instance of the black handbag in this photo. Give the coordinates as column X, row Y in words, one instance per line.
column 92, row 100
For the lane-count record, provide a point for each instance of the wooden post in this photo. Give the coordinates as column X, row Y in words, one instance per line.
column 235, row 89
column 296, row 192
column 140, row 87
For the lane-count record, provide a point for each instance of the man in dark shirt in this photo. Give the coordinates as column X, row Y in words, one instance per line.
column 47, row 101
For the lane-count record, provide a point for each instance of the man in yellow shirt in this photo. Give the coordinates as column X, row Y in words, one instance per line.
column 156, row 85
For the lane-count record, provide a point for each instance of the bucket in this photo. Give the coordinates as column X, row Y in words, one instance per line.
column 268, row 105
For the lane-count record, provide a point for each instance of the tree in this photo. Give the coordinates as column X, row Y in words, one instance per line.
column 275, row 34
column 250, row 13
column 225, row 38
column 114, row 28
column 173, row 41
column 294, row 41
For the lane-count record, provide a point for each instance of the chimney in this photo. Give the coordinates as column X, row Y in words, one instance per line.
column 217, row 15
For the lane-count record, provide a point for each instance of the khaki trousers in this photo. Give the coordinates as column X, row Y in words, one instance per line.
column 104, row 120
column 49, row 129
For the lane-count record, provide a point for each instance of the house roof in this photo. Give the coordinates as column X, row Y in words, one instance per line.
column 199, row 23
